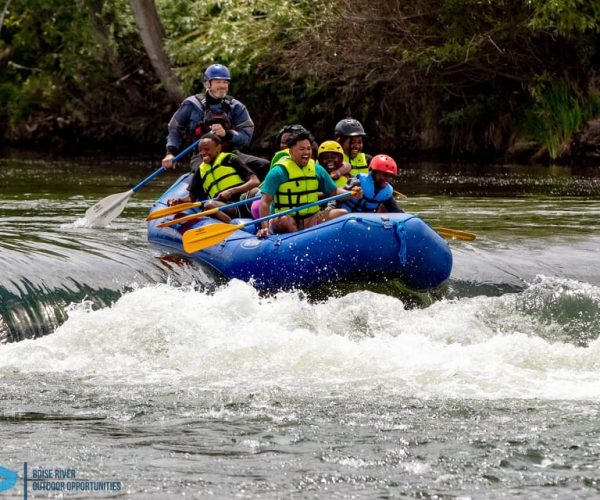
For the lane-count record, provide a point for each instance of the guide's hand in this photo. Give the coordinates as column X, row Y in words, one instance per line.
column 217, row 128
column 167, row 161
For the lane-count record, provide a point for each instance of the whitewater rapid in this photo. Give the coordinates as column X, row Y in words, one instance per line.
column 541, row 343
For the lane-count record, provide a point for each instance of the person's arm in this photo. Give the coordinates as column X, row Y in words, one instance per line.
column 356, row 193
column 326, row 185
column 344, row 169
column 263, row 210
column 245, row 173
column 195, row 192
column 352, row 183
column 391, row 206
column 276, row 176
column 176, row 133
column 196, row 188
column 241, row 135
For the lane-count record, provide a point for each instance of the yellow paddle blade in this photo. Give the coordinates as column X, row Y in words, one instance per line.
column 163, row 212
column 187, row 218
column 207, row 236
column 455, row 234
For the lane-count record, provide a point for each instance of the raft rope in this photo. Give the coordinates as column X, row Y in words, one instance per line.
column 400, row 228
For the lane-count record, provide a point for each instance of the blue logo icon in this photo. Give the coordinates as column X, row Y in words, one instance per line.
column 8, row 479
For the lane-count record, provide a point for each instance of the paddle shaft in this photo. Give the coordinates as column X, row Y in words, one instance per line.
column 162, row 169
column 208, row 212
column 455, row 234
column 296, row 209
column 209, row 235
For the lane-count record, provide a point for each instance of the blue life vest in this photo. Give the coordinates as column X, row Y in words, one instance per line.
column 204, row 115
column 370, row 201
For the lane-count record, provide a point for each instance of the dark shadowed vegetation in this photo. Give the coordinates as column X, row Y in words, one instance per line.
column 459, row 78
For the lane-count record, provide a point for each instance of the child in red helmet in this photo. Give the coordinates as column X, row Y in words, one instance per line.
column 378, row 193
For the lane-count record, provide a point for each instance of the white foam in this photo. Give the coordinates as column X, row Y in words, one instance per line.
column 483, row 347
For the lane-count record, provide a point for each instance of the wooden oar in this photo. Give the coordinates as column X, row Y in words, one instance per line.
column 107, row 209
column 455, row 234
column 209, row 235
column 211, row 211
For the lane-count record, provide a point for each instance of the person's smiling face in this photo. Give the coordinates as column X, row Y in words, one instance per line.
column 356, row 146
column 381, row 178
column 330, row 160
column 218, row 88
column 209, row 150
column 301, row 152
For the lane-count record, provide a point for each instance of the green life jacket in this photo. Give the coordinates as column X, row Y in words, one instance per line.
column 341, row 181
column 217, row 177
column 302, row 187
column 358, row 163
column 282, row 153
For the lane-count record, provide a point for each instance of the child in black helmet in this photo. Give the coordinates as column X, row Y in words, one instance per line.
column 350, row 133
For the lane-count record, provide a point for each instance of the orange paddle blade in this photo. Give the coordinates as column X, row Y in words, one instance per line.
column 398, row 196
column 455, row 234
column 188, row 218
column 207, row 236
column 163, row 212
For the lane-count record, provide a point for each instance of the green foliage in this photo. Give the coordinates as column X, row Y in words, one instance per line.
column 448, row 70
column 479, row 109
column 67, row 77
column 252, row 38
column 566, row 17
column 243, row 35
column 555, row 112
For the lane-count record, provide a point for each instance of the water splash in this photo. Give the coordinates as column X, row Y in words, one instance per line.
column 481, row 347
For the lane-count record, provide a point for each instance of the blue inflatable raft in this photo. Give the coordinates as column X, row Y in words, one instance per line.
column 355, row 247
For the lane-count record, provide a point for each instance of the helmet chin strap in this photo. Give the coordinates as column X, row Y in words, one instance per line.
column 207, row 87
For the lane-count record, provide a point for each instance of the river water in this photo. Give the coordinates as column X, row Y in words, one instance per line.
column 142, row 375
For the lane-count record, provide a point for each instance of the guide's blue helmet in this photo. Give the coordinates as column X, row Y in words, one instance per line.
column 217, row 72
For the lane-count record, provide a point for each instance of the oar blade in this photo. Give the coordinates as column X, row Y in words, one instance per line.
column 188, row 218
column 107, row 209
column 163, row 212
column 455, row 234
column 398, row 196
column 207, row 236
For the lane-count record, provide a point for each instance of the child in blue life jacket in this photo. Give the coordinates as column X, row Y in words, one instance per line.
column 378, row 193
